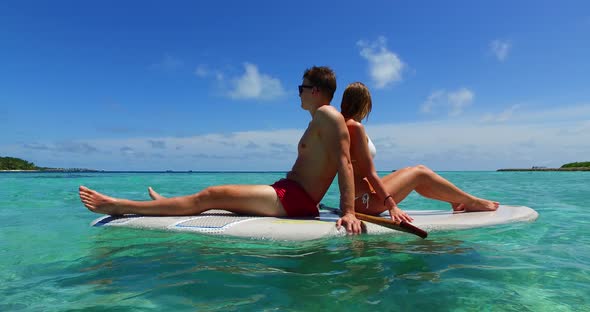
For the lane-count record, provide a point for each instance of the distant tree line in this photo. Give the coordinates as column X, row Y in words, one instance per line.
column 12, row 163
column 577, row 165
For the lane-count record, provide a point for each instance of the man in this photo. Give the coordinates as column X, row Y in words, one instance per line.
column 323, row 151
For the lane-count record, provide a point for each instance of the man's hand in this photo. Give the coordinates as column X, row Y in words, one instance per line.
column 352, row 224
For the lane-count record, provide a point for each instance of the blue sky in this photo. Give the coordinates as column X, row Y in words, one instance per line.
column 188, row 85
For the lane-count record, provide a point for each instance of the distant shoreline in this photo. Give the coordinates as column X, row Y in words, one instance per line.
column 51, row 170
column 138, row 171
column 272, row 171
column 547, row 169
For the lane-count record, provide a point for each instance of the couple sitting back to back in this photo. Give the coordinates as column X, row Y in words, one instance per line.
column 324, row 149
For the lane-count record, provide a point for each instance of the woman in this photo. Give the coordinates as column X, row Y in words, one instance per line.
column 374, row 195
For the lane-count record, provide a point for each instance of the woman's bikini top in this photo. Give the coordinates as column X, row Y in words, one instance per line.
column 372, row 148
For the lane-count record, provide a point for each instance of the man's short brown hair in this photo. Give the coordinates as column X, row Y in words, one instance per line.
column 323, row 78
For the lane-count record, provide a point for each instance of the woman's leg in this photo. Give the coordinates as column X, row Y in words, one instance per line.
column 431, row 185
column 259, row 200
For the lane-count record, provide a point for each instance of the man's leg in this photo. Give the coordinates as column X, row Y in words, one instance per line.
column 153, row 194
column 258, row 200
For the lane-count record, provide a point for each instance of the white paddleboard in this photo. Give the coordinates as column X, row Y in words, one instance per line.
column 221, row 222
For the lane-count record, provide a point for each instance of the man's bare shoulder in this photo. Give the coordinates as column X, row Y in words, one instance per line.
column 328, row 113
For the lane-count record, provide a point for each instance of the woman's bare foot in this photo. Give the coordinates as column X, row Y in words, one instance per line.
column 478, row 204
column 97, row 202
column 458, row 207
column 153, row 194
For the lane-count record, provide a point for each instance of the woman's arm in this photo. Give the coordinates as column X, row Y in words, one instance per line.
column 365, row 167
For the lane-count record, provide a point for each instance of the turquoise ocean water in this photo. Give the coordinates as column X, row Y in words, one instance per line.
column 52, row 260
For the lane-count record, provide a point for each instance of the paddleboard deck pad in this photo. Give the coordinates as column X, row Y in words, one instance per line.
column 221, row 222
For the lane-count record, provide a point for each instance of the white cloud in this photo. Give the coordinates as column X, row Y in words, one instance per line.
column 501, row 117
column 528, row 114
column 432, row 101
column 467, row 144
column 168, row 64
column 455, row 101
column 529, row 137
column 459, row 100
column 201, row 71
column 500, row 49
column 255, row 85
column 159, row 144
column 272, row 150
column 385, row 67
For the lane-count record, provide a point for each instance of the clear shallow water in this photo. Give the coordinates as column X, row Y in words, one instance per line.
column 51, row 260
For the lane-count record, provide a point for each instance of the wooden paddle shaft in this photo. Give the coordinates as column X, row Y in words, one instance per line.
column 399, row 226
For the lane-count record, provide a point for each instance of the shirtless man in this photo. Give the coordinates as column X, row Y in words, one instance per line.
column 323, row 151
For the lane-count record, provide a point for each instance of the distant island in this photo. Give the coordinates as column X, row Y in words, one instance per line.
column 17, row 164
column 585, row 164
column 575, row 166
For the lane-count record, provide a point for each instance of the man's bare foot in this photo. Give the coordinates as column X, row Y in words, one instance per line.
column 478, row 204
column 97, row 202
column 154, row 195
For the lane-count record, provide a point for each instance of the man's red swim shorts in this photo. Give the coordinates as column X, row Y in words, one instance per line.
column 295, row 200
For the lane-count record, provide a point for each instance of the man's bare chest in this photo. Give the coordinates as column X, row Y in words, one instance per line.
column 310, row 141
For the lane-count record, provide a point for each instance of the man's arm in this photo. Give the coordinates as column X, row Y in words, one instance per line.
column 335, row 137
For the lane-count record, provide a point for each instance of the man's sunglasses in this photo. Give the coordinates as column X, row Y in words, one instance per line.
column 301, row 87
